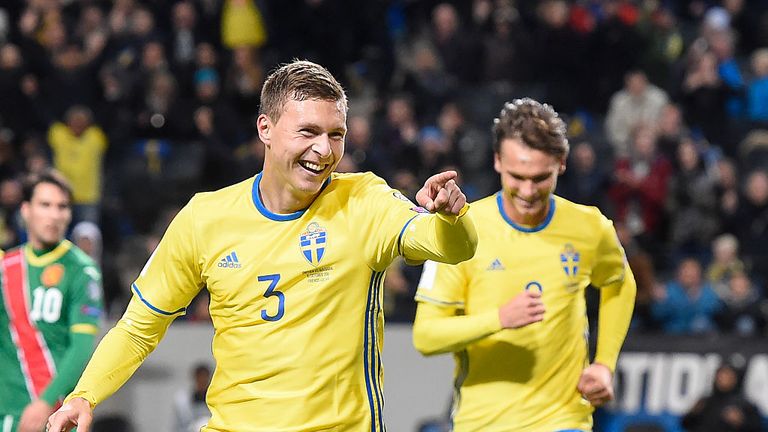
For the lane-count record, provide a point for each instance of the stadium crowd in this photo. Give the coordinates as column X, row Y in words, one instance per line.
column 142, row 103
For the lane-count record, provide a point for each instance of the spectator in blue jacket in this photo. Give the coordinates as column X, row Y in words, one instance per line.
column 688, row 304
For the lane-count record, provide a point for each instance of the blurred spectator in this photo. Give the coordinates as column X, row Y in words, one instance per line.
column 558, row 60
column 704, row 97
column 242, row 25
column 12, row 230
column 727, row 190
column 665, row 44
column 427, row 81
column 361, row 150
column 721, row 44
column 757, row 91
column 725, row 262
column 617, row 45
column 470, row 149
column 161, row 112
column 687, row 305
column 456, row 47
column 243, row 83
column 78, row 151
column 750, row 224
column 87, row 236
column 691, row 203
column 640, row 187
column 742, row 314
column 433, row 152
column 726, row 409
column 585, row 181
column 638, row 103
column 671, row 131
column 507, row 49
column 190, row 410
column 399, row 133
column 644, row 271
column 185, row 35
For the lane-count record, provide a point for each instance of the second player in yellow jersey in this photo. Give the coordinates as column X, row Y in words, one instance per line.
column 514, row 315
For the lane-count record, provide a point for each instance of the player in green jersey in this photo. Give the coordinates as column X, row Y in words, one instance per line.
column 50, row 309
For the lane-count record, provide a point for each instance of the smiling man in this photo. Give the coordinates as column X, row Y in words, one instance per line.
column 294, row 261
column 50, row 310
column 521, row 366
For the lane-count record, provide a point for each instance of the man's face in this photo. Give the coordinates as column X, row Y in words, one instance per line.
column 528, row 179
column 47, row 215
column 689, row 274
column 305, row 145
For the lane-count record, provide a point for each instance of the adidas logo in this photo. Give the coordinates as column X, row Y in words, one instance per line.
column 229, row 261
column 496, row 265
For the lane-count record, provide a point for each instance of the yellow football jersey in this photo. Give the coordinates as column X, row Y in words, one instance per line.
column 296, row 301
column 525, row 379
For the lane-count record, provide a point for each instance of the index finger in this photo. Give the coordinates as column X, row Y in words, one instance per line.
column 443, row 177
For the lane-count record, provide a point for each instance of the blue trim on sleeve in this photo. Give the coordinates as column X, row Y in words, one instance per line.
column 537, row 228
column 400, row 237
column 149, row 305
column 276, row 216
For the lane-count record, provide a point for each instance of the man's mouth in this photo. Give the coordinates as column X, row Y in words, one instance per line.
column 313, row 167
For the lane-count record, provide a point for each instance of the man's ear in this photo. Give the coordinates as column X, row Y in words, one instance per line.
column 264, row 127
column 562, row 167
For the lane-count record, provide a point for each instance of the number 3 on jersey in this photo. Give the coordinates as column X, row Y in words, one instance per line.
column 271, row 292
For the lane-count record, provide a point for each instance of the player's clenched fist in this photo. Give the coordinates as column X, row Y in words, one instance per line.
column 525, row 308
column 596, row 384
column 441, row 194
column 76, row 412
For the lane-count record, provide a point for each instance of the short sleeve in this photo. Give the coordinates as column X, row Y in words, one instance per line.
column 173, row 274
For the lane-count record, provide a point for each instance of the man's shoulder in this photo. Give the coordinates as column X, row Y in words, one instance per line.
column 354, row 184
column 358, row 179
column 224, row 198
column 578, row 212
column 76, row 257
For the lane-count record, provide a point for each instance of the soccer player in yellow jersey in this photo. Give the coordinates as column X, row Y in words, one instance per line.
column 294, row 260
column 519, row 368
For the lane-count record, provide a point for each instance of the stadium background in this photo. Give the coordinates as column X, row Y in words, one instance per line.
column 142, row 103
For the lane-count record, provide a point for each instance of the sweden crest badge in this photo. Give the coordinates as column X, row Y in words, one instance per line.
column 313, row 242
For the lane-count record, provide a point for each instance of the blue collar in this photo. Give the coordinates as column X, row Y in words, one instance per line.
column 537, row 228
column 276, row 216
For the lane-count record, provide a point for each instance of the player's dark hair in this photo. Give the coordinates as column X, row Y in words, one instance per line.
column 49, row 176
column 299, row 80
column 537, row 125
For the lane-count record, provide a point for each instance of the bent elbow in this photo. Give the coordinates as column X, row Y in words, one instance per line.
column 420, row 341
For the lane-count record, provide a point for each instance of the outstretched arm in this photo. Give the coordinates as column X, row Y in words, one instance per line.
column 116, row 358
column 449, row 235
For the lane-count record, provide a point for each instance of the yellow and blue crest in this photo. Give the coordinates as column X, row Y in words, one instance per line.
column 569, row 259
column 313, row 243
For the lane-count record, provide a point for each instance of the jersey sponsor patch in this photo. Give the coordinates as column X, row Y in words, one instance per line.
column 313, row 243
column 52, row 275
column 402, row 197
column 91, row 311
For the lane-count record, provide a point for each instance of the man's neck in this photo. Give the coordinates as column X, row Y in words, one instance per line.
column 278, row 198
